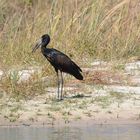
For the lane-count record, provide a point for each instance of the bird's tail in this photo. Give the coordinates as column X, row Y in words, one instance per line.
column 75, row 71
column 78, row 75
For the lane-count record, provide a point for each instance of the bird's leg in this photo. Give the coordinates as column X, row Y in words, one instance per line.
column 58, row 84
column 61, row 97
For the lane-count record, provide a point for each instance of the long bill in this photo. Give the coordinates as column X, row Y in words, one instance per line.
column 38, row 44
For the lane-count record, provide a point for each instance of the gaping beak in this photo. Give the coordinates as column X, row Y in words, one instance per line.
column 38, row 44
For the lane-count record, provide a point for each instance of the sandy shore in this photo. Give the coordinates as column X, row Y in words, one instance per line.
column 97, row 106
column 103, row 97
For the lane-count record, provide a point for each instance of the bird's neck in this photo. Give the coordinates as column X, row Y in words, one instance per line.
column 43, row 48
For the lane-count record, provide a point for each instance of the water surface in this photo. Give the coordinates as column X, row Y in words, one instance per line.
column 92, row 132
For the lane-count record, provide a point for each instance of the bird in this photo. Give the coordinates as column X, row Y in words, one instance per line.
column 60, row 61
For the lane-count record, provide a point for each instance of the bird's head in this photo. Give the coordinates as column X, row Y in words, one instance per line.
column 42, row 42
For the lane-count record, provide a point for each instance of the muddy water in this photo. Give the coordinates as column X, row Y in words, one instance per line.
column 92, row 132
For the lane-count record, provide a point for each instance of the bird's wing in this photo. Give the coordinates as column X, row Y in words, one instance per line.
column 60, row 61
column 64, row 62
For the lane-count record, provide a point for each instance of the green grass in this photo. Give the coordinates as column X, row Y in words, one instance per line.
column 103, row 101
column 118, row 96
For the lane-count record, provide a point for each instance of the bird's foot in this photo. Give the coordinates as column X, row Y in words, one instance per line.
column 61, row 99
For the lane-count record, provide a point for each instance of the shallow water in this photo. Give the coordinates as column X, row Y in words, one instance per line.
column 92, row 132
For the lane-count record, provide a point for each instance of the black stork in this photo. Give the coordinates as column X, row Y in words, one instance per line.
column 58, row 60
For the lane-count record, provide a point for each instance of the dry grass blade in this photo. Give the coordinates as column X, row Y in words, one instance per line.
column 111, row 13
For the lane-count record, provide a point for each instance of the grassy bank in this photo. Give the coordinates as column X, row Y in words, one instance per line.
column 99, row 29
column 87, row 29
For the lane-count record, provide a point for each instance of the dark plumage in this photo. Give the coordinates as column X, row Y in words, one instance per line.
column 58, row 60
